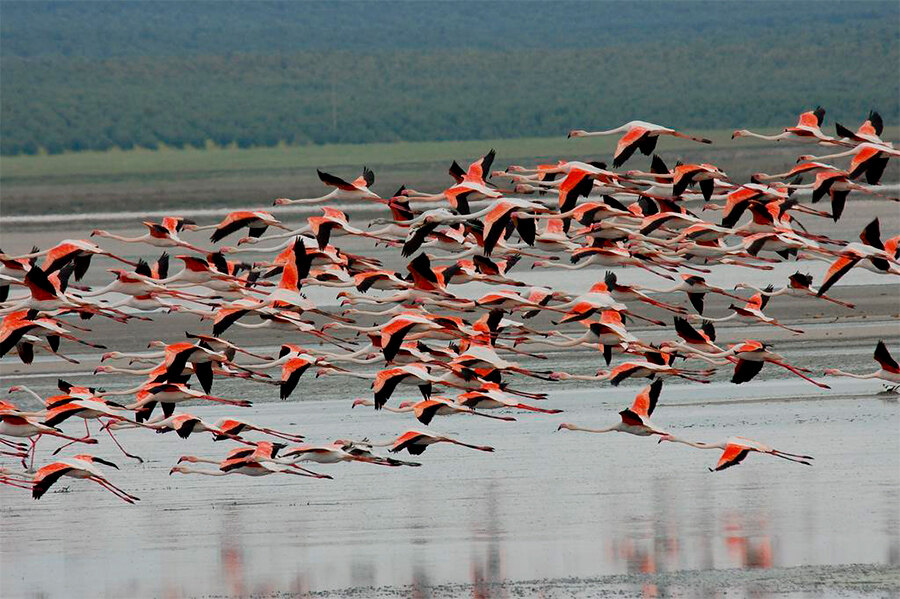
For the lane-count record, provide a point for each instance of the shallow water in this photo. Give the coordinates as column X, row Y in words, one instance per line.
column 545, row 505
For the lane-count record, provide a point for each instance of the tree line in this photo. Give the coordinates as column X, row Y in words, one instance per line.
column 758, row 76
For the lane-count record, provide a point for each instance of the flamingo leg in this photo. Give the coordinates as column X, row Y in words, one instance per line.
column 119, row 445
column 300, row 471
column 784, row 457
column 4, row 480
column 87, row 433
column 800, row 374
column 506, row 418
column 114, row 489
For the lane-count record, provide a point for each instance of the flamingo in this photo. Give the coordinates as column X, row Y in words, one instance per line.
column 807, row 130
column 752, row 355
column 427, row 409
column 77, row 251
column 158, row 235
column 869, row 131
column 79, row 466
column 341, row 451
column 868, row 159
column 738, row 448
column 416, row 442
column 256, row 221
column 638, row 135
column 261, row 460
column 22, row 425
column 870, row 254
column 636, row 419
column 752, row 310
column 232, row 427
column 889, row 370
column 358, row 189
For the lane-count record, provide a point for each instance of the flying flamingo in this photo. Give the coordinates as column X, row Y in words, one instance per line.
column 259, row 461
column 799, row 285
column 868, row 159
column 807, row 130
column 889, row 370
column 79, row 466
column 638, row 135
column 233, row 427
column 341, row 451
column 416, row 442
column 78, row 251
column 636, row 419
column 158, row 235
column 256, row 221
column 18, row 424
column 427, row 409
column 491, row 397
column 869, row 131
column 736, row 449
column 752, row 310
column 358, row 189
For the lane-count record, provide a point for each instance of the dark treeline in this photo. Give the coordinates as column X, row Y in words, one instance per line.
column 98, row 75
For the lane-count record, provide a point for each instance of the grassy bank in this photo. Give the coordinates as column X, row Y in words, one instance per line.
column 224, row 177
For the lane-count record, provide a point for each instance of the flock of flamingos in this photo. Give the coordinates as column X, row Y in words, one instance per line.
column 578, row 215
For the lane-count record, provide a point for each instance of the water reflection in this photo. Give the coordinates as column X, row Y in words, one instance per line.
column 535, row 511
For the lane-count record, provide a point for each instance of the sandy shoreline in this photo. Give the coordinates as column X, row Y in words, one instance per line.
column 850, row 580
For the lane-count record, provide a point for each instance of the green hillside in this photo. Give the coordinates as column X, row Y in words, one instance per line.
column 98, row 75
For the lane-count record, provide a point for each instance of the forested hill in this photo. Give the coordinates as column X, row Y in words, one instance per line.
column 93, row 75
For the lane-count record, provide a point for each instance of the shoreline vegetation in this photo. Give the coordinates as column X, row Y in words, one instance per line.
column 79, row 76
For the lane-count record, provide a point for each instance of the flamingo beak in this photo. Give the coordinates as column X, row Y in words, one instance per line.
column 106, row 463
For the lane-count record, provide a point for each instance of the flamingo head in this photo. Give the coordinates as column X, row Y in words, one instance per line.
column 831, row 371
column 524, row 188
column 101, row 369
column 665, row 437
column 112, row 355
column 576, row 133
column 187, row 458
column 739, row 133
column 566, row 426
column 244, row 240
column 559, row 376
column 281, row 202
column 97, row 232
column 406, row 404
column 360, row 402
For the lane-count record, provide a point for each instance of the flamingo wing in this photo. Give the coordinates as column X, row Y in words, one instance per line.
column 837, row 270
column 409, row 442
column 646, row 400
column 745, row 370
column 233, row 222
column 883, row 357
column 628, row 144
column 333, row 181
column 47, row 476
column 732, row 456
